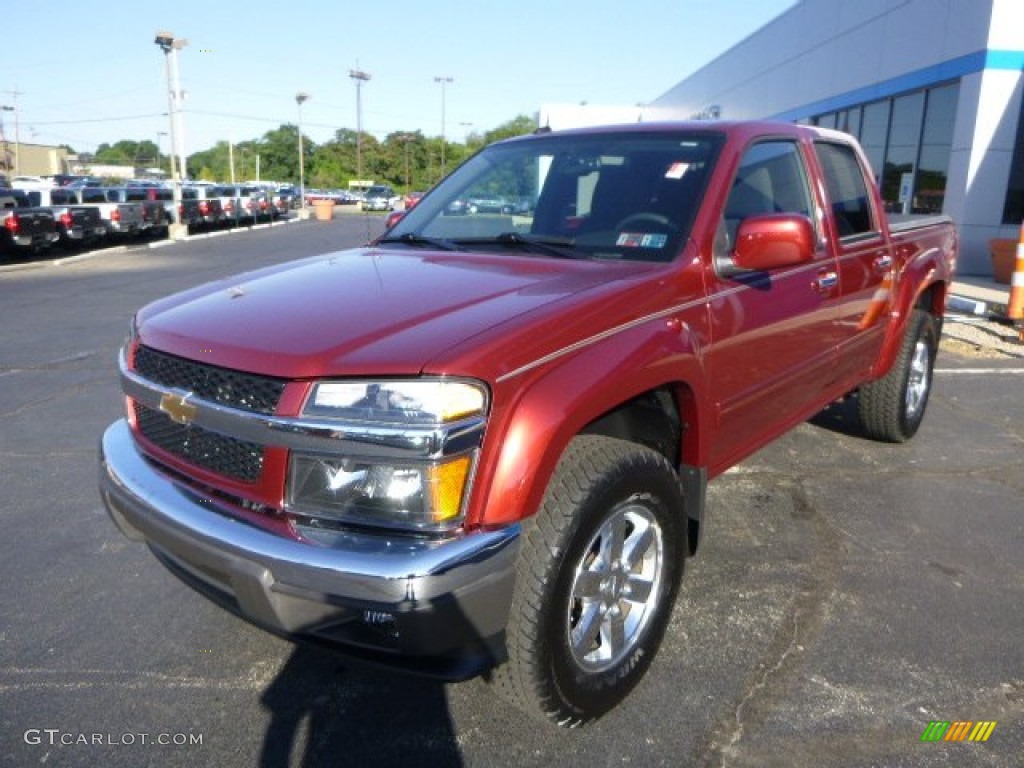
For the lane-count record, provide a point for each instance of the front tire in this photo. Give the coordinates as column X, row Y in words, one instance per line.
column 892, row 407
column 598, row 573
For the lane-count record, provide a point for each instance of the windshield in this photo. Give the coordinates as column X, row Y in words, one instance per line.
column 622, row 195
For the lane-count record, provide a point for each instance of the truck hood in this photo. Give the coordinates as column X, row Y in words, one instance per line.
column 362, row 312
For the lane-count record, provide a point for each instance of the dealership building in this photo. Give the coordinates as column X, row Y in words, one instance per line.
column 931, row 88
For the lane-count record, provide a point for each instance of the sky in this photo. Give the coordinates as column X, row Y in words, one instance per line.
column 89, row 72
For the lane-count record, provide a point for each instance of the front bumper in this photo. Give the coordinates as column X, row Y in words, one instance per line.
column 434, row 607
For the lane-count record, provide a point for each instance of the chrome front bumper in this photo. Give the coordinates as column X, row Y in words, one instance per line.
column 436, row 607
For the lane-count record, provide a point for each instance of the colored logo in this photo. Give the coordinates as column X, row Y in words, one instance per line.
column 178, row 408
column 958, row 730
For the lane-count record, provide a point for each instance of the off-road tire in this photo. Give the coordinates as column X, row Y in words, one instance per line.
column 892, row 407
column 607, row 544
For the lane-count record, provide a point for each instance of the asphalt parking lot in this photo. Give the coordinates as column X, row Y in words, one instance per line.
column 846, row 595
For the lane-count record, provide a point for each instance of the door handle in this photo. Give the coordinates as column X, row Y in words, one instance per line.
column 826, row 281
column 883, row 263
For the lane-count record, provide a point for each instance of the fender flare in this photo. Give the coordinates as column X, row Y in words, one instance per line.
column 538, row 412
column 925, row 273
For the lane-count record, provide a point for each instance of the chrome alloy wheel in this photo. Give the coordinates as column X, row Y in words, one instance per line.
column 615, row 588
column 918, row 379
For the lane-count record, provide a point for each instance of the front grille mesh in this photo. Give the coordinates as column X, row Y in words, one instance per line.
column 208, row 382
column 227, row 456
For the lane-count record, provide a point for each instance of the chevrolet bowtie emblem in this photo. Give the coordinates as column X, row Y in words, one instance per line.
column 178, row 408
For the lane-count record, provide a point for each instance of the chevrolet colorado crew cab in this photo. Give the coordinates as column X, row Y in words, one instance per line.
column 480, row 444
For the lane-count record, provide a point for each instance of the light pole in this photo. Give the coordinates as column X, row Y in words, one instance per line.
column 171, row 45
column 17, row 131
column 443, row 81
column 6, row 160
column 158, row 135
column 300, row 97
column 360, row 77
column 406, row 138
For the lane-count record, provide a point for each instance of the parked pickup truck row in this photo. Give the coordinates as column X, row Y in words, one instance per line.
column 81, row 216
column 23, row 226
column 480, row 444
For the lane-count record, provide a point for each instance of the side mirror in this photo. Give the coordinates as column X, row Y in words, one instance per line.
column 772, row 241
column 393, row 218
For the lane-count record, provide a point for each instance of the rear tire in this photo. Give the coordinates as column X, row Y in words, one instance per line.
column 597, row 576
column 892, row 407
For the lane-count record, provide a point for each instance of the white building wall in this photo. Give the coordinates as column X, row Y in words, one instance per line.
column 990, row 104
column 825, row 55
column 832, row 53
column 561, row 117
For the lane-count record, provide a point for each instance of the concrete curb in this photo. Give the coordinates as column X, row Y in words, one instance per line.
column 978, row 296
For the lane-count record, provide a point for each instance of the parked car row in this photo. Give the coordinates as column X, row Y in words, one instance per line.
column 380, row 197
column 337, row 196
column 74, row 216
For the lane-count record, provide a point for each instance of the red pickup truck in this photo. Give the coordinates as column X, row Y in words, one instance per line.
column 482, row 442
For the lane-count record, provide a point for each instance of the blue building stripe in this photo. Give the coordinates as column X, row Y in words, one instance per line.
column 912, row 81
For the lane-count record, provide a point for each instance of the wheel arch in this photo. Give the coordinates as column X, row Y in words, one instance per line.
column 664, row 419
column 919, row 289
column 653, row 400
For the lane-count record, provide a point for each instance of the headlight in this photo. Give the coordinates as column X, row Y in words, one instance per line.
column 425, row 491
column 422, row 497
column 438, row 401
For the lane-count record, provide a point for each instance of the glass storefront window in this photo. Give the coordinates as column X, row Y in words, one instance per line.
column 874, row 132
column 827, row 121
column 936, row 145
column 849, row 121
column 1013, row 208
column 908, row 140
column 901, row 156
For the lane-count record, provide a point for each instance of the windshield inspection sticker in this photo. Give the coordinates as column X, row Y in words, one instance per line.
column 677, row 170
column 641, row 240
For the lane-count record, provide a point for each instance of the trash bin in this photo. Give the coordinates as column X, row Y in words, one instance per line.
column 324, row 209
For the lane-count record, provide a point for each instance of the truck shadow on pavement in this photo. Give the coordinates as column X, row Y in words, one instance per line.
column 841, row 417
column 323, row 712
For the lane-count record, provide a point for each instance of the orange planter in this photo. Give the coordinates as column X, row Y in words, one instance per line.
column 1004, row 254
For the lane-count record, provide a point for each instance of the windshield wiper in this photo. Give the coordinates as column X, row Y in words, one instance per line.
column 559, row 247
column 411, row 238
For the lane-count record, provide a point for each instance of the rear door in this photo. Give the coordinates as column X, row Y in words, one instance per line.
column 772, row 354
column 865, row 258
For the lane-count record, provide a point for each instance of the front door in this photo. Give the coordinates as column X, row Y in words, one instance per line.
column 772, row 353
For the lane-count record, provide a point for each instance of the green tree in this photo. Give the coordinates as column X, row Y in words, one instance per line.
column 212, row 162
column 126, row 152
column 517, row 126
column 403, row 159
column 279, row 153
column 333, row 163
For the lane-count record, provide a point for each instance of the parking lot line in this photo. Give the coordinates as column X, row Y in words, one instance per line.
column 980, row 371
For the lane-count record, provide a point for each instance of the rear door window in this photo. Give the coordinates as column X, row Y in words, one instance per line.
column 846, row 188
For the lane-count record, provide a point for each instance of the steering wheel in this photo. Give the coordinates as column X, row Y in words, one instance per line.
column 650, row 218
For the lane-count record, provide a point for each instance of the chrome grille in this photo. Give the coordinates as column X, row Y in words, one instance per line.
column 209, row 382
column 227, row 456
column 224, row 455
